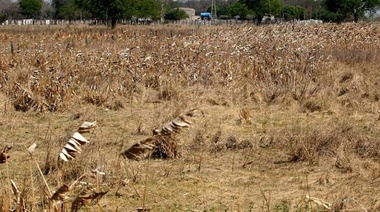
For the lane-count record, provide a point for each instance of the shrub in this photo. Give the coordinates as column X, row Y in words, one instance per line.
column 176, row 14
column 3, row 18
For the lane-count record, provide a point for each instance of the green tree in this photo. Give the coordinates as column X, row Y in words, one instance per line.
column 47, row 10
column 66, row 9
column 223, row 11
column 293, row 12
column 10, row 9
column 176, row 14
column 130, row 9
column 30, row 8
column 263, row 7
column 148, row 8
column 57, row 5
column 142, row 9
column 69, row 11
column 310, row 7
column 238, row 9
column 3, row 18
column 106, row 10
column 339, row 10
column 113, row 10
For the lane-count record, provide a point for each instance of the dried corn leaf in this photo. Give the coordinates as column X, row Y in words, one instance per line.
column 4, row 155
column 86, row 127
column 72, row 147
column 73, row 143
column 17, row 193
column 60, row 194
column 140, row 150
column 88, row 196
column 15, row 190
column 175, row 125
column 319, row 202
column 79, row 138
column 31, row 148
column 63, row 157
column 162, row 144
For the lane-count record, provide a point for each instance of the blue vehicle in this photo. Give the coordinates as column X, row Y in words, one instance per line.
column 206, row 16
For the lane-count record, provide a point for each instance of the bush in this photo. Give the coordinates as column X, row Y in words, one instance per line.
column 3, row 18
column 293, row 12
column 328, row 16
column 176, row 14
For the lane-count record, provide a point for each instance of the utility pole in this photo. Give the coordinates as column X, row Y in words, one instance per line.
column 213, row 9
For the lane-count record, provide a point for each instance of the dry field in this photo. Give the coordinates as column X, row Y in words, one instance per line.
column 291, row 116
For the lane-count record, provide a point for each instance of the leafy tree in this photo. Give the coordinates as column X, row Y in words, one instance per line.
column 69, row 10
column 176, row 14
column 310, row 7
column 65, row 9
column 238, row 9
column 47, row 10
column 342, row 9
column 232, row 9
column 142, row 9
column 11, row 10
column 112, row 10
column 328, row 16
column 293, row 12
column 198, row 6
column 148, row 8
column 263, row 7
column 130, row 9
column 103, row 9
column 4, row 5
column 30, row 8
column 58, row 4
column 3, row 18
column 223, row 11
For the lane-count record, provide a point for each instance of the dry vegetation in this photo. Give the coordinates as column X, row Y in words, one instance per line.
column 291, row 117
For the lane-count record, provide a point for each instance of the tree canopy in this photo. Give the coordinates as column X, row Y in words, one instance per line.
column 176, row 14
column 110, row 11
column 238, row 9
column 339, row 10
column 103, row 9
column 30, row 8
column 263, row 8
column 293, row 12
column 65, row 9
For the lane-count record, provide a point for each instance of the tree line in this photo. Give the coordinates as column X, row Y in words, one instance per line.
column 110, row 11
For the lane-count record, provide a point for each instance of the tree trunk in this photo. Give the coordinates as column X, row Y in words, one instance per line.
column 356, row 17
column 259, row 19
column 113, row 23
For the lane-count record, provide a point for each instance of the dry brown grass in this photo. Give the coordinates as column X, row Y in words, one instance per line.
column 291, row 116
